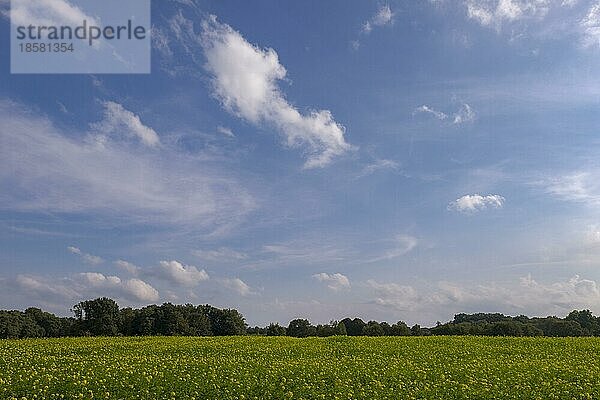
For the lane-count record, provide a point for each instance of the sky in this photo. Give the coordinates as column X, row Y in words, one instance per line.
column 384, row 160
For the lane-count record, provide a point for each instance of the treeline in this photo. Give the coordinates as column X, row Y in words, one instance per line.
column 103, row 317
column 577, row 323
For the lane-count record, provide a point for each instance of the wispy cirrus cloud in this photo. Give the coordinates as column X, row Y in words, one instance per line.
column 384, row 16
column 225, row 131
column 428, row 110
column 590, row 26
column 222, row 254
column 496, row 12
column 44, row 169
column 401, row 244
column 464, row 114
column 379, row 164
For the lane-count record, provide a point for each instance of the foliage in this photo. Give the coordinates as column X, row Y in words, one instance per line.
column 339, row 367
column 103, row 317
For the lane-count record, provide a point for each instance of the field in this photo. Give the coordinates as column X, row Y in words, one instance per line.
column 314, row 368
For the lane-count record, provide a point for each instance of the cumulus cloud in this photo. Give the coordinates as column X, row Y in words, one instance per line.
column 393, row 294
column 517, row 297
column 128, row 267
column 238, row 286
column 118, row 120
column 44, row 169
column 384, row 16
column 41, row 287
column 245, row 80
column 83, row 285
column 472, row 203
column 180, row 274
column 135, row 289
column 87, row 258
column 335, row 282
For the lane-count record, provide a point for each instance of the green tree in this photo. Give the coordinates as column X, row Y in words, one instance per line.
column 586, row 320
column 373, row 328
column 275, row 330
column 354, row 327
column 300, row 328
column 98, row 317
column 400, row 329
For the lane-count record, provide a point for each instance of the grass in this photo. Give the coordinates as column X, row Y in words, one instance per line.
column 314, row 368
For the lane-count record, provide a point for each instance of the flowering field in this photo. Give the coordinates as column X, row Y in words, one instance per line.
column 313, row 368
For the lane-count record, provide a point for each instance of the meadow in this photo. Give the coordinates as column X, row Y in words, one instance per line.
column 253, row 367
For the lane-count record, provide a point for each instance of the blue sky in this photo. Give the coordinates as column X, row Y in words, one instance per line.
column 387, row 160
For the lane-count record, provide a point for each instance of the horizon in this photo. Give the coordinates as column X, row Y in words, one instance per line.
column 385, row 160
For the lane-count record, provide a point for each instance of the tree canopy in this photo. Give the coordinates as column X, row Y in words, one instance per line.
column 104, row 317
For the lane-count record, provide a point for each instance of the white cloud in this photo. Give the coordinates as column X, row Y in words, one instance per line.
column 524, row 296
column 475, row 202
column 464, row 114
column 428, row 110
column 302, row 251
column 37, row 286
column 335, row 282
column 238, row 286
column 393, row 294
column 43, row 169
column 129, row 288
column 245, row 78
column 160, row 42
column 580, row 187
column 48, row 12
column 128, row 267
column 222, row 254
column 496, row 12
column 384, row 16
column 86, row 285
column 401, row 245
column 186, row 275
column 379, row 165
column 590, row 25
column 87, row 258
column 118, row 120
column 225, row 131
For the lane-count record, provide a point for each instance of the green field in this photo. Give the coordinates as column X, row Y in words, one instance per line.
column 313, row 368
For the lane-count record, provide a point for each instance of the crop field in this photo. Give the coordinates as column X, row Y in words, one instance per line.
column 313, row 368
